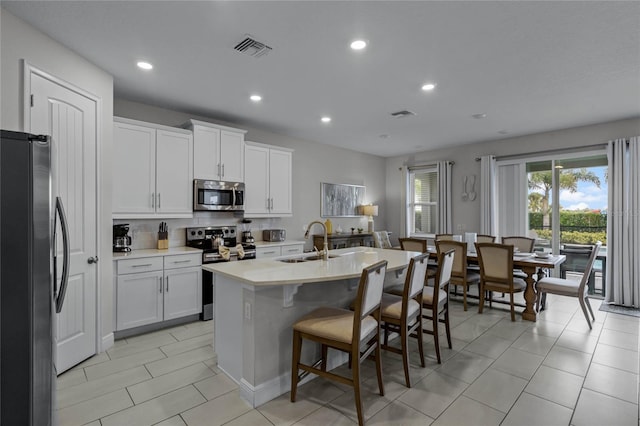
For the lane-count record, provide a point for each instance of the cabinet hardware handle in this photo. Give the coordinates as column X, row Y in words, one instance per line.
column 160, row 285
column 290, row 250
column 153, row 199
column 139, row 266
column 219, row 174
column 182, row 261
column 93, row 259
column 272, row 204
column 167, row 284
column 158, row 200
column 222, row 169
column 269, row 252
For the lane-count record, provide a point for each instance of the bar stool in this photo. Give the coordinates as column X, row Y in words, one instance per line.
column 354, row 332
column 403, row 314
column 460, row 275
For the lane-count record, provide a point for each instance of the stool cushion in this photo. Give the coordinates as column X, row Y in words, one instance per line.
column 334, row 324
column 391, row 306
column 559, row 286
column 427, row 296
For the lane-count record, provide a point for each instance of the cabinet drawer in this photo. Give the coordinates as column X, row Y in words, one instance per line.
column 144, row 264
column 264, row 252
column 297, row 249
column 182, row 261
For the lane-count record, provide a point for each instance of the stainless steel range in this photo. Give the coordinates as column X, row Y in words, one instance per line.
column 218, row 244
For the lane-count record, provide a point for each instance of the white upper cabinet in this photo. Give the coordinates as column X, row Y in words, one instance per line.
column 218, row 151
column 268, row 181
column 152, row 170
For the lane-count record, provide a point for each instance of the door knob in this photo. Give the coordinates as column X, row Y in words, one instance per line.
column 93, row 259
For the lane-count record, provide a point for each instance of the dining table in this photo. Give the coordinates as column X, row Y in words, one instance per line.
column 532, row 265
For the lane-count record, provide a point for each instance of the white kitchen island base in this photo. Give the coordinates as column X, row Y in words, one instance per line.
column 258, row 301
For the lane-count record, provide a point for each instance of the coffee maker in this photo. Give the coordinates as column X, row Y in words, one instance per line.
column 121, row 238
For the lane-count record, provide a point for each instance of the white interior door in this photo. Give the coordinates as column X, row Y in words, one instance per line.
column 70, row 119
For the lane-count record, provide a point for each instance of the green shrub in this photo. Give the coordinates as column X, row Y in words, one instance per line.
column 575, row 237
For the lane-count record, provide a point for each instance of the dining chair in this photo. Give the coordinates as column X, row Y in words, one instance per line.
column 354, row 332
column 447, row 237
column 461, row 275
column 481, row 238
column 496, row 272
column 413, row 244
column 571, row 288
column 381, row 240
column 403, row 314
column 435, row 300
column 523, row 245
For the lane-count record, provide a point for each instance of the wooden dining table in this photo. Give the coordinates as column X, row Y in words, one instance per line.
column 529, row 264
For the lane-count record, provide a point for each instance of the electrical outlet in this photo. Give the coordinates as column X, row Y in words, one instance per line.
column 460, row 227
column 247, row 310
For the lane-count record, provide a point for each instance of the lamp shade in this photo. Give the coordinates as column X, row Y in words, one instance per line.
column 370, row 210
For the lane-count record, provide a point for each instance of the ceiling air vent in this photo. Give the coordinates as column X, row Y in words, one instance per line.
column 252, row 47
column 403, row 113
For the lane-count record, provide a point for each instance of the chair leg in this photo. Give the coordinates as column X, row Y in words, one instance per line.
column 481, row 299
column 513, row 309
column 539, row 296
column 436, row 339
column 420, row 343
column 295, row 360
column 325, row 350
column 404, row 337
column 586, row 299
column 584, row 310
column 356, row 389
column 446, row 325
column 379, row 367
column 464, row 296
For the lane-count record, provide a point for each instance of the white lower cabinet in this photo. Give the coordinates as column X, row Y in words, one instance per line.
column 281, row 250
column 155, row 289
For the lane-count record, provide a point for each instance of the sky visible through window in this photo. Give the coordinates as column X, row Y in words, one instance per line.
column 588, row 196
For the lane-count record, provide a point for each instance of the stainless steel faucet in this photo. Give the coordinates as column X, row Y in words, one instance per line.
column 325, row 250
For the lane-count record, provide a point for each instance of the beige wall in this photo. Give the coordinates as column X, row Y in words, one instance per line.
column 467, row 213
column 20, row 41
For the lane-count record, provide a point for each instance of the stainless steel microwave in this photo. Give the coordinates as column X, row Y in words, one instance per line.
column 212, row 195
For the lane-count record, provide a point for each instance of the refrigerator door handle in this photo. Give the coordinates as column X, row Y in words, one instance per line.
column 65, row 246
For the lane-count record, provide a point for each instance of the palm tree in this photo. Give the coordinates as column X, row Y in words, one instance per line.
column 568, row 180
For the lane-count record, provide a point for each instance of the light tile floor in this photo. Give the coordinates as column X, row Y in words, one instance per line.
column 555, row 371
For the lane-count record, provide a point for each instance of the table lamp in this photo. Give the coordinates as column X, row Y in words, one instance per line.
column 370, row 211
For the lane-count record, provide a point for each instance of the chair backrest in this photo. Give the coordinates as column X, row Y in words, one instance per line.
column 413, row 244
column 447, row 237
column 416, row 276
column 485, row 239
column 523, row 244
column 496, row 262
column 587, row 271
column 381, row 240
column 459, row 267
column 445, row 265
column 370, row 289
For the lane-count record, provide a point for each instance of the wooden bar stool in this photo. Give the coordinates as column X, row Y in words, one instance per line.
column 354, row 332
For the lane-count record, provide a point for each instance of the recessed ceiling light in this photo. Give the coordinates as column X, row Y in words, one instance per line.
column 428, row 87
column 255, row 98
column 326, row 119
column 479, row 116
column 358, row 44
column 503, row 132
column 144, row 65
column 384, row 136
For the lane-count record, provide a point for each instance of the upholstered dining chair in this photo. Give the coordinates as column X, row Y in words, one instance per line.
column 403, row 314
column 381, row 240
column 448, row 237
column 571, row 288
column 413, row 244
column 522, row 245
column 435, row 300
column 496, row 272
column 460, row 274
column 354, row 332
column 481, row 238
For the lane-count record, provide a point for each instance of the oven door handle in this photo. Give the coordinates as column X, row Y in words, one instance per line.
column 234, row 197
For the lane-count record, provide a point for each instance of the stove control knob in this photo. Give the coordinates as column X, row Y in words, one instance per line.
column 199, row 232
column 193, row 233
column 226, row 231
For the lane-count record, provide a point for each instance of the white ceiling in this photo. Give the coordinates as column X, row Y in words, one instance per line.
column 530, row 66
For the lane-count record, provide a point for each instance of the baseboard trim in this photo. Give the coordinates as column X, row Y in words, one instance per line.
column 107, row 342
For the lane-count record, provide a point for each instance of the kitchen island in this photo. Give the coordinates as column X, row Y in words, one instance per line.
column 257, row 301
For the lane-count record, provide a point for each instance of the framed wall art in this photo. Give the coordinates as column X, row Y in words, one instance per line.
column 341, row 200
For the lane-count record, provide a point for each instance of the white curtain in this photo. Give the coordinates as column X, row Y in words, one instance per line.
column 511, row 199
column 623, row 223
column 487, row 195
column 444, row 193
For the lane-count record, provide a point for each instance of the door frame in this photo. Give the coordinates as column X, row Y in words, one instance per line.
column 28, row 70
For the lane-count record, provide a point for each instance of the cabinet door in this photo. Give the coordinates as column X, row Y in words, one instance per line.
column 256, row 181
column 134, row 172
column 280, row 182
column 139, row 299
column 182, row 292
column 232, row 156
column 174, row 172
column 266, row 252
column 206, row 153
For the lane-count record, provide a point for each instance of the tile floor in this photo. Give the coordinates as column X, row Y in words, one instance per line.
column 555, row 371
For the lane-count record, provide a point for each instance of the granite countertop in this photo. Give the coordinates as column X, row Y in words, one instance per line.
column 346, row 264
column 140, row 253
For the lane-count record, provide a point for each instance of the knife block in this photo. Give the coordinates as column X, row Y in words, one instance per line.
column 163, row 240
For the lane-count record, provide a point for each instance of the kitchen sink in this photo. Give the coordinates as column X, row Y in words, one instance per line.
column 304, row 259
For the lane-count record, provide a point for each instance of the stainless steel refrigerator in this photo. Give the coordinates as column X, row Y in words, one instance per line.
column 29, row 292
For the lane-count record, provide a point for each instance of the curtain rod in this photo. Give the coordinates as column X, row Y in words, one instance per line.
column 550, row 151
column 407, row 164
